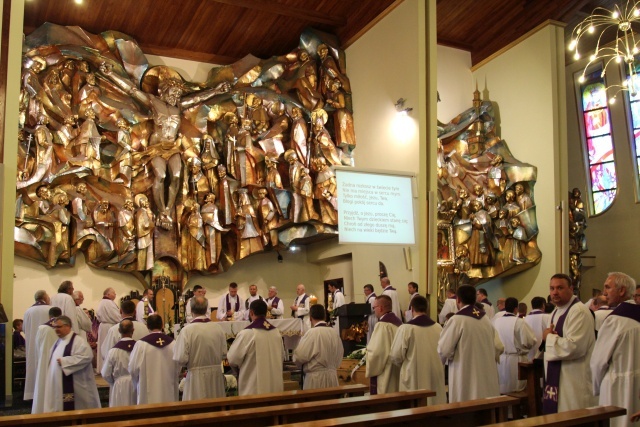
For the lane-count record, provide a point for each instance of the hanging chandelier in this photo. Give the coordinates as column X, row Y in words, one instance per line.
column 621, row 52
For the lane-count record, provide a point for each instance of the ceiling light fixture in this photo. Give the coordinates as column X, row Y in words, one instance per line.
column 622, row 52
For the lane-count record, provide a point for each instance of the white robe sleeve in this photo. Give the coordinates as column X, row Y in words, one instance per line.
column 109, row 341
column 84, row 323
column 278, row 311
column 497, row 344
column 378, row 350
column 575, row 342
column 135, row 361
column 305, row 350
column 303, row 310
column 181, row 349
column 108, row 368
column 449, row 339
column 602, row 354
column 400, row 346
column 238, row 350
column 524, row 338
column 221, row 314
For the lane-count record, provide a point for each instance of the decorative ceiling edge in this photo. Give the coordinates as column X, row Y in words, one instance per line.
column 363, row 31
column 517, row 42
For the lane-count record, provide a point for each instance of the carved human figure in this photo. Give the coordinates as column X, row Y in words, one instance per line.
column 329, row 69
column 166, row 111
column 496, row 177
column 44, row 153
column 326, row 192
column 324, row 145
column 345, row 136
column 248, row 157
column 212, row 230
column 226, row 187
column 273, row 175
column 83, row 220
column 523, row 199
column 60, row 218
column 480, row 249
column 268, row 217
column 248, row 227
column 125, row 244
column 518, row 241
column 198, row 182
column 230, row 141
column 192, row 237
column 462, row 207
column 210, row 161
column 122, row 164
column 258, row 115
column 105, row 219
column 295, row 178
column 299, row 135
column 86, row 146
column 510, row 205
column 144, row 233
column 478, row 193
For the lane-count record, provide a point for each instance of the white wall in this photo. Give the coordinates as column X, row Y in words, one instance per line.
column 526, row 83
column 455, row 82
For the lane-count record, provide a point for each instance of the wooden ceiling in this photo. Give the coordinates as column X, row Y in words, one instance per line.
column 223, row 31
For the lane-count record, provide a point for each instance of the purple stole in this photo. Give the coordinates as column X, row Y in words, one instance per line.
column 471, row 311
column 631, row 311
column 274, row 303
column 39, row 303
column 388, row 288
column 486, row 301
column 261, row 323
column 246, row 303
column 126, row 345
column 301, row 302
column 532, row 313
column 421, row 320
column 371, row 295
column 552, row 384
column 321, row 324
column 157, row 339
column 201, row 320
column 389, row 317
column 50, row 322
column 237, row 308
column 68, row 396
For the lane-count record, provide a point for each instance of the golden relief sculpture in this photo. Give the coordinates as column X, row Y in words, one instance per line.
column 137, row 168
column 486, row 208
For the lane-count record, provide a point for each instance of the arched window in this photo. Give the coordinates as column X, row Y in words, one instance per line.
column 633, row 100
column 601, row 168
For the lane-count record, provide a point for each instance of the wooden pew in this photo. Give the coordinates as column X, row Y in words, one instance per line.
column 89, row 416
column 294, row 412
column 462, row 414
column 598, row 416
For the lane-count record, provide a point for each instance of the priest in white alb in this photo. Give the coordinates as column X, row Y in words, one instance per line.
column 414, row 350
column 472, row 347
column 275, row 306
column 198, row 291
column 64, row 300
column 71, row 383
column 392, row 293
column 127, row 312
column 383, row 374
column 231, row 306
column 45, row 339
column 153, row 371
column 108, row 314
column 35, row 316
column 258, row 353
column 517, row 338
column 319, row 352
column 201, row 346
column 115, row 369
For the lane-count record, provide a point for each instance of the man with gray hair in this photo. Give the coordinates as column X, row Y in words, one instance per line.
column 201, row 346
column 84, row 322
column 140, row 330
column 275, row 306
column 35, row 316
column 71, row 381
column 391, row 292
column 615, row 364
column 108, row 315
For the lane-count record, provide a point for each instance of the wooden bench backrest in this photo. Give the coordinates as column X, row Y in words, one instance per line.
column 597, row 416
column 298, row 412
column 86, row 416
column 467, row 414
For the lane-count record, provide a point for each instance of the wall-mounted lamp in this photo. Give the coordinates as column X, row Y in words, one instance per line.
column 400, row 108
column 294, row 248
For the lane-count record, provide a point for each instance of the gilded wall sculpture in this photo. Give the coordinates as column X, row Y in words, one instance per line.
column 143, row 171
column 487, row 224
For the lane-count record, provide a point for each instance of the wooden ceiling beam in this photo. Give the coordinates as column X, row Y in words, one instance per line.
column 284, row 10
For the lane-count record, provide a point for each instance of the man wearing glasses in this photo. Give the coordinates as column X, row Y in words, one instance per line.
column 71, row 382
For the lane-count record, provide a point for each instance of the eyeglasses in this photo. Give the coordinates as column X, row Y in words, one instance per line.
column 60, row 326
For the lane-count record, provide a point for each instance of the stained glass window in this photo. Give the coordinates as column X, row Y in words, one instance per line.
column 634, row 108
column 599, row 141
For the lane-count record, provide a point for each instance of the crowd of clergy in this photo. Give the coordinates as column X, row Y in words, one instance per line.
column 589, row 351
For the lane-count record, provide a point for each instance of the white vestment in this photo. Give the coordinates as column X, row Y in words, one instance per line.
column 140, row 317
column 517, row 338
column 115, row 371
column 66, row 303
column 34, row 317
column 472, row 347
column 450, row 306
column 615, row 365
column 108, row 314
column 278, row 311
column 303, row 311
column 574, row 350
column 45, row 339
column 408, row 315
column 414, row 350
column 78, row 364
column 599, row 315
column 188, row 314
column 258, row 354
column 140, row 331
column 488, row 308
column 234, row 302
column 153, row 371
column 319, row 354
column 538, row 321
column 371, row 318
column 395, row 302
column 201, row 347
column 497, row 316
column 84, row 322
column 378, row 362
